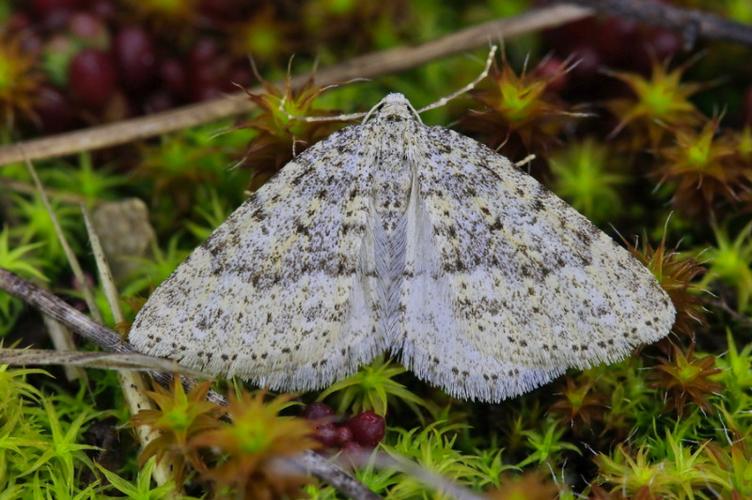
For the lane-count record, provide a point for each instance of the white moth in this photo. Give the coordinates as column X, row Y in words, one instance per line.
column 395, row 236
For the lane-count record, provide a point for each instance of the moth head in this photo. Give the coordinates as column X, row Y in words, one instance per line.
column 393, row 107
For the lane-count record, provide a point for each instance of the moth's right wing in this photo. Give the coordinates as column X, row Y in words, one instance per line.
column 502, row 273
column 283, row 292
column 429, row 339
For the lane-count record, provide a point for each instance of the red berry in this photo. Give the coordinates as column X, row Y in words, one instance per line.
column 664, row 43
column 354, row 452
column 18, row 21
column 221, row 10
column 91, row 77
column 344, row 435
column 136, row 57
column 54, row 111
column 158, row 101
column 367, row 428
column 46, row 7
column 86, row 26
column 316, row 411
column 89, row 28
column 209, row 70
column 105, row 9
column 326, row 434
column 588, row 62
column 173, row 77
column 54, row 13
column 205, row 50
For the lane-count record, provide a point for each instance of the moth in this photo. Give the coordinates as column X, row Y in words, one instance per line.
column 393, row 236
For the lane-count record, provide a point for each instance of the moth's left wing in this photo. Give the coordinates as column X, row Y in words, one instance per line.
column 282, row 293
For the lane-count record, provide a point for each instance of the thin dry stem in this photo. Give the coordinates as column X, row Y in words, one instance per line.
column 60, row 336
column 62, row 340
column 87, row 359
column 133, row 384
column 78, row 272
column 691, row 23
column 25, row 188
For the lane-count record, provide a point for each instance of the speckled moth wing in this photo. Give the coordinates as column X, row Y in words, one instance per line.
column 391, row 235
column 282, row 293
column 521, row 277
column 432, row 337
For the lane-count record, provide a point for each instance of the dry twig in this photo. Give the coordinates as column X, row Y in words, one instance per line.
column 691, row 23
column 101, row 360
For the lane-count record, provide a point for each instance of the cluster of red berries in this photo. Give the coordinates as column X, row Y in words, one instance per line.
column 614, row 42
column 101, row 63
column 360, row 432
column 611, row 42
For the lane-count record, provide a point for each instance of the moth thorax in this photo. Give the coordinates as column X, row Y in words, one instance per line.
column 392, row 184
column 395, row 107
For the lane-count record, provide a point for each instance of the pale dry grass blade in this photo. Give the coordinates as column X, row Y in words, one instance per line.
column 99, row 360
column 134, row 385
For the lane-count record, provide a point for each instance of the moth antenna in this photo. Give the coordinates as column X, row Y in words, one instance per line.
column 636, row 238
column 467, row 88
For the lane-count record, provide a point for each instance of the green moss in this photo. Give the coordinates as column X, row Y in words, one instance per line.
column 373, row 388
column 585, row 176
